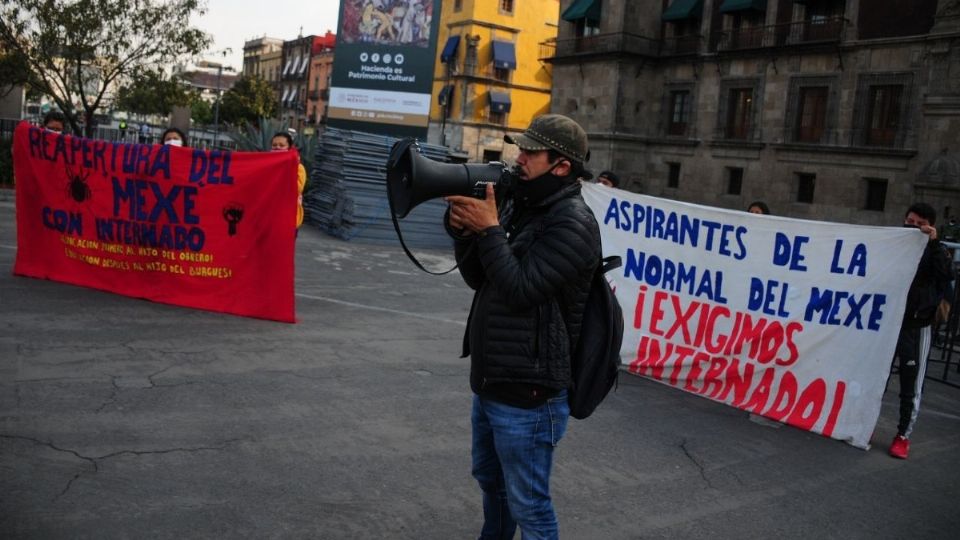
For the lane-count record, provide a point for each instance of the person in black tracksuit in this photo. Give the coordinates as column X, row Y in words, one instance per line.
column 913, row 345
column 530, row 264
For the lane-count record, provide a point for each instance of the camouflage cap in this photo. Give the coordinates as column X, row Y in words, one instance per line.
column 553, row 132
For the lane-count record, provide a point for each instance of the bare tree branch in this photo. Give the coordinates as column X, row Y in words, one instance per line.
column 79, row 50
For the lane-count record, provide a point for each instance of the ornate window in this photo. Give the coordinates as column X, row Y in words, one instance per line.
column 883, row 111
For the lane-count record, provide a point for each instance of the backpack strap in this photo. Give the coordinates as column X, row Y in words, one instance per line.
column 609, row 263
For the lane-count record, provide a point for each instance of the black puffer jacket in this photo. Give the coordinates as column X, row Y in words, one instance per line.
column 532, row 275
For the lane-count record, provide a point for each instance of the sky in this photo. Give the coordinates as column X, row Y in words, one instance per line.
column 232, row 22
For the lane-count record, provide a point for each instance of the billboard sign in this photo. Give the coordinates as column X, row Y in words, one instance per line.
column 383, row 71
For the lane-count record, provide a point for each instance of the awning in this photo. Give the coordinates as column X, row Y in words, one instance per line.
column 504, row 55
column 286, row 96
column 446, row 95
column 450, row 49
column 499, row 101
column 286, row 67
column 680, row 10
column 742, row 5
column 582, row 9
column 292, row 65
column 303, row 66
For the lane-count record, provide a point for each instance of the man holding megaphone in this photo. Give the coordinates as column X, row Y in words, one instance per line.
column 530, row 261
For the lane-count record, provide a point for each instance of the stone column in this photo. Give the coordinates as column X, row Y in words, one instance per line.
column 852, row 14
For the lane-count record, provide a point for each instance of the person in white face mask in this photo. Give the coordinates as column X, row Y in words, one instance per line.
column 54, row 121
column 174, row 137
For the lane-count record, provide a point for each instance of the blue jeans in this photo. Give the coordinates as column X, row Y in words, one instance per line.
column 512, row 457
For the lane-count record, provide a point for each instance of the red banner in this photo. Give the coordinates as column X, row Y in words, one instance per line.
column 206, row 229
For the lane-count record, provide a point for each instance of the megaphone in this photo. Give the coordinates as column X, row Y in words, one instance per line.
column 413, row 178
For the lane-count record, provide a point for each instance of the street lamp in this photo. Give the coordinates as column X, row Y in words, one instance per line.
column 216, row 104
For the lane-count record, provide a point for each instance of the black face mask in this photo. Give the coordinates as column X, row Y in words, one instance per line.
column 541, row 187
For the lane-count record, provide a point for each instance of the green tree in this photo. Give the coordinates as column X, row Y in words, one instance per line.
column 250, row 99
column 13, row 72
column 78, row 50
column 201, row 112
column 152, row 92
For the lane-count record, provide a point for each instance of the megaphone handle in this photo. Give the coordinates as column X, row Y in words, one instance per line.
column 396, row 227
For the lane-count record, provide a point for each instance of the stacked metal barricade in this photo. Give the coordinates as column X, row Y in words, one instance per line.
column 346, row 195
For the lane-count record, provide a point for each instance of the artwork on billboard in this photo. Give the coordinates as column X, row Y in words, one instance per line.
column 383, row 73
column 387, row 22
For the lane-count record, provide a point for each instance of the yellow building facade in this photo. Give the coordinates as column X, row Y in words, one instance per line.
column 488, row 79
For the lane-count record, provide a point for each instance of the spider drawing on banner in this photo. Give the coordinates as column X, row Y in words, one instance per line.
column 77, row 187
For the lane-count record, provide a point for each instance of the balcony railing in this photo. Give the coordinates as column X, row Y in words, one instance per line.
column 689, row 44
column 619, row 42
column 629, row 43
column 488, row 72
column 778, row 35
column 795, row 33
column 548, row 49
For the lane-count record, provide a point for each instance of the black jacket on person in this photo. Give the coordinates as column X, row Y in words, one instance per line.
column 532, row 275
column 929, row 285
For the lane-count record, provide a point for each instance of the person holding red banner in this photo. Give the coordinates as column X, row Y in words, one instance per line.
column 282, row 142
column 194, row 228
column 174, row 137
column 54, row 121
column 913, row 345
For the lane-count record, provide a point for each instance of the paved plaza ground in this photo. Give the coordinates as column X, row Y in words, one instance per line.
column 122, row 418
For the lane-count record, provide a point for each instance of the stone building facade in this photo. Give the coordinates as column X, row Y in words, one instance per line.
column 839, row 110
column 253, row 57
column 294, row 79
column 318, row 84
column 263, row 57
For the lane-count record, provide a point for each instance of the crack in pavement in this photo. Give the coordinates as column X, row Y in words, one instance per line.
column 153, row 386
column 703, row 474
column 291, row 373
column 168, row 368
column 737, row 476
column 93, row 460
column 113, row 395
column 187, row 383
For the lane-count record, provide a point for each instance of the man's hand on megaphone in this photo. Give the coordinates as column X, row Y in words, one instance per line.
column 472, row 214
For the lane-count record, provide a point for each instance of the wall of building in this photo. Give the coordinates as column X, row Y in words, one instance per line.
column 253, row 52
column 321, row 66
column 467, row 126
column 622, row 99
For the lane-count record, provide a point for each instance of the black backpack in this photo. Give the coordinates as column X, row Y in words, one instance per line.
column 595, row 362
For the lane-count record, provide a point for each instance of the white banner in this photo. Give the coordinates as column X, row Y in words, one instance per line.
column 790, row 319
